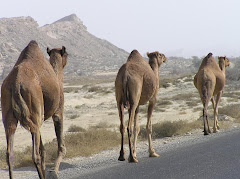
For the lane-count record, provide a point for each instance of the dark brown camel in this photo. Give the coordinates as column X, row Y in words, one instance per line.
column 30, row 94
column 210, row 81
column 137, row 83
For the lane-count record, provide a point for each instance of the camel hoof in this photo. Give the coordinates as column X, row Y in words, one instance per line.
column 153, row 155
column 206, row 133
column 132, row 160
column 215, row 131
column 121, row 158
column 51, row 174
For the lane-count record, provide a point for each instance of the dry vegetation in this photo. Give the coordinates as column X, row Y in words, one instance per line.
column 81, row 142
column 86, row 142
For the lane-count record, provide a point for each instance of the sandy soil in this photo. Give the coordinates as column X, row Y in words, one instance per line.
column 85, row 109
column 98, row 107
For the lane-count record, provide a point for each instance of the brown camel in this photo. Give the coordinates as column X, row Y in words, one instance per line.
column 32, row 93
column 210, row 81
column 137, row 83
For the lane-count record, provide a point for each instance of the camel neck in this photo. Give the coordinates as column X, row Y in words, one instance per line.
column 58, row 71
column 223, row 69
column 155, row 68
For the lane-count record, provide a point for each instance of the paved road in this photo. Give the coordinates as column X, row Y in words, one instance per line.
column 216, row 156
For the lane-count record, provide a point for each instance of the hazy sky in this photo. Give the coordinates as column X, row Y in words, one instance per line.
column 173, row 27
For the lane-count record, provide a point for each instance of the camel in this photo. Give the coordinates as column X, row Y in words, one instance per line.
column 137, row 83
column 30, row 94
column 210, row 81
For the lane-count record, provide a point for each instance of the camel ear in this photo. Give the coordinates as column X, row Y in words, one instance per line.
column 209, row 55
column 148, row 54
column 48, row 51
column 63, row 50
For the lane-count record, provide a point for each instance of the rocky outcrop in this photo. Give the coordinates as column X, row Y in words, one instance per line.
column 87, row 53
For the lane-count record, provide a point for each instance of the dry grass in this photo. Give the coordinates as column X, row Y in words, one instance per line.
column 71, row 89
column 231, row 110
column 168, row 129
column 193, row 102
column 77, row 106
column 163, row 103
column 90, row 142
column 186, row 97
column 2, row 158
column 74, row 128
column 166, row 82
column 84, row 143
column 99, row 89
column 74, row 116
column 89, row 80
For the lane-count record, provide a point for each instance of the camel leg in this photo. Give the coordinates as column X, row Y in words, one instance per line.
column 58, row 124
column 151, row 151
column 205, row 122
column 122, row 130
column 136, row 131
column 42, row 154
column 215, row 125
column 129, row 130
column 10, row 124
column 36, row 153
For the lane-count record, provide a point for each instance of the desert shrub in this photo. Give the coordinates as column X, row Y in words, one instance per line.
column 164, row 103
column 111, row 113
column 74, row 128
column 90, row 142
column 186, row 96
column 231, row 110
column 85, row 143
column 95, row 89
column 197, row 109
column 99, row 89
column 88, row 96
column 74, row 116
column 193, row 103
column 3, row 158
column 168, row 129
column 166, row 82
column 77, row 106
column 70, row 90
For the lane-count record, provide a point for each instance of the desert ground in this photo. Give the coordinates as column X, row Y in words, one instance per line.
column 94, row 104
column 91, row 102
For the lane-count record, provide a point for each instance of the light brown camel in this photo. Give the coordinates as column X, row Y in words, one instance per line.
column 30, row 94
column 210, row 81
column 137, row 83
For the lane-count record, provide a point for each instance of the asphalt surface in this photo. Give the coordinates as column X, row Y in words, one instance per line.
column 214, row 156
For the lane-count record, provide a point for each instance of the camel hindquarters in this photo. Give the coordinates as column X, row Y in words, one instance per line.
column 206, row 82
column 28, row 106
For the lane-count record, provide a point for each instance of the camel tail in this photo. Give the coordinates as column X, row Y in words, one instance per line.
column 125, row 91
column 21, row 110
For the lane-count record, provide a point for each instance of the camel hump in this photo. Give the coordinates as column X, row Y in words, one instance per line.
column 32, row 46
column 33, row 42
column 135, row 55
column 31, row 52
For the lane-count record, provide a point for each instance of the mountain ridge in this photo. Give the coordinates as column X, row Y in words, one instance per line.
column 87, row 53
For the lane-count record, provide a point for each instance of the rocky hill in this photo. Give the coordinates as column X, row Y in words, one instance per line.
column 87, row 53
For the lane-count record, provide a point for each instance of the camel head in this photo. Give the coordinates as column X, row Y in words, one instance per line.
column 58, row 56
column 156, row 57
column 223, row 61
